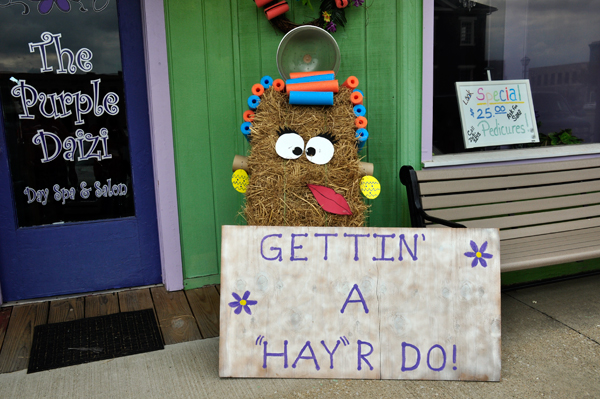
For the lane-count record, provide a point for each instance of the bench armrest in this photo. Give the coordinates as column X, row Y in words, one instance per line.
column 408, row 177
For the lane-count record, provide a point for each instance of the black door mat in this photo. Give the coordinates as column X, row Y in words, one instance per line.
column 97, row 338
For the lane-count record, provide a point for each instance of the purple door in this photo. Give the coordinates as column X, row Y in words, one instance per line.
column 77, row 205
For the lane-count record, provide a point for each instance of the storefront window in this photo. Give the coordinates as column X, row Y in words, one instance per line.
column 554, row 44
column 63, row 108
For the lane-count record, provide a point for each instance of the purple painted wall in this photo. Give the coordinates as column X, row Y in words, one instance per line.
column 159, row 103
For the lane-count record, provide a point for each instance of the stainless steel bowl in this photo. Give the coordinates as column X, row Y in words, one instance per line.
column 306, row 49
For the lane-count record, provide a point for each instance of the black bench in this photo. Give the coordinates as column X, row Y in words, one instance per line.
column 547, row 213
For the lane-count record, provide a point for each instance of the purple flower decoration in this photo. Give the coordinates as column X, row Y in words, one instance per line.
column 331, row 27
column 358, row 3
column 45, row 6
column 243, row 302
column 479, row 255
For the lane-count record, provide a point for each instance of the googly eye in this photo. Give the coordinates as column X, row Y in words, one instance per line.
column 289, row 146
column 319, row 150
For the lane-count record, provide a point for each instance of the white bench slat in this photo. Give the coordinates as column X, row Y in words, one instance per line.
column 543, row 249
column 443, row 201
column 547, row 259
column 470, row 172
column 498, row 209
column 494, row 183
column 532, row 219
column 549, row 228
column 541, row 229
column 560, row 235
column 550, row 240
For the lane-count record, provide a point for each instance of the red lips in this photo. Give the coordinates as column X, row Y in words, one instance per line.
column 329, row 200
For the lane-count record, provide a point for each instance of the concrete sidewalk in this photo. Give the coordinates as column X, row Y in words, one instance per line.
column 550, row 348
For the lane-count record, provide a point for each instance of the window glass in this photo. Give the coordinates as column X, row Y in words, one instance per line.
column 554, row 44
column 61, row 91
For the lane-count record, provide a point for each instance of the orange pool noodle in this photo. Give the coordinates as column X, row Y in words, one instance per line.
column 258, row 89
column 351, row 83
column 278, row 84
column 276, row 10
column 249, row 116
column 360, row 122
column 260, row 3
column 356, row 98
column 295, row 75
column 326, row 85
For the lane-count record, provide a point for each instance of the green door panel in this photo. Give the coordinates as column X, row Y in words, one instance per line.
column 218, row 49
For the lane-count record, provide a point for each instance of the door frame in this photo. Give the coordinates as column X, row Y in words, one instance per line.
column 161, row 136
column 161, row 132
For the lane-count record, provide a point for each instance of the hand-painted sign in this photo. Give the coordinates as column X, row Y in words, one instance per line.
column 368, row 303
column 496, row 113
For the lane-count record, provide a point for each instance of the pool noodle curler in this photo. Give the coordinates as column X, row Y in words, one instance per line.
column 360, row 110
column 358, row 91
column 362, row 135
column 356, row 98
column 327, row 85
column 249, row 115
column 295, row 75
column 351, row 83
column 360, row 122
column 253, row 102
column 258, row 89
column 266, row 81
column 315, row 78
column 261, row 3
column 246, row 128
column 311, row 98
column 278, row 85
column 276, row 10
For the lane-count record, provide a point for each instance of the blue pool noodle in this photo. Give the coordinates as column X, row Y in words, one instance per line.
column 246, row 127
column 362, row 135
column 361, row 93
column 246, row 130
column 253, row 101
column 311, row 97
column 308, row 79
column 360, row 110
column 266, row 81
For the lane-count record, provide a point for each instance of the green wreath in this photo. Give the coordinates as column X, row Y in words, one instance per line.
column 332, row 14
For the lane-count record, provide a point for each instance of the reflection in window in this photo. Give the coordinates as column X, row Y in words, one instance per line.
column 556, row 45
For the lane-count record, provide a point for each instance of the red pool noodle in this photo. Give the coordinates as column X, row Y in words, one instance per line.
column 356, row 98
column 249, row 116
column 360, row 122
column 258, row 89
column 279, row 84
column 295, row 75
column 276, row 10
column 326, row 85
column 351, row 83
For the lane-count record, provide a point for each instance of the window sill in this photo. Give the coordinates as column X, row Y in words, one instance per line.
column 514, row 156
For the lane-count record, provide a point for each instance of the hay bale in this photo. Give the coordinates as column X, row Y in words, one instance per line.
column 277, row 194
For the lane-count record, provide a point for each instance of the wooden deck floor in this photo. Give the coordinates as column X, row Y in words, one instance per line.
column 182, row 316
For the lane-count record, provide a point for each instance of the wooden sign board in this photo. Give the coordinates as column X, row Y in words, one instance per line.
column 496, row 113
column 368, row 303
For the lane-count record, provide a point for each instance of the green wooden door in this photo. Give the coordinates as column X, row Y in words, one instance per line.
column 219, row 49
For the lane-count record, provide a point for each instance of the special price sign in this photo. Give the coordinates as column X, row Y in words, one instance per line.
column 496, row 113
column 367, row 303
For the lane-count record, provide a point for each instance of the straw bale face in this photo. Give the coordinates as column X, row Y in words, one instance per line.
column 277, row 194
